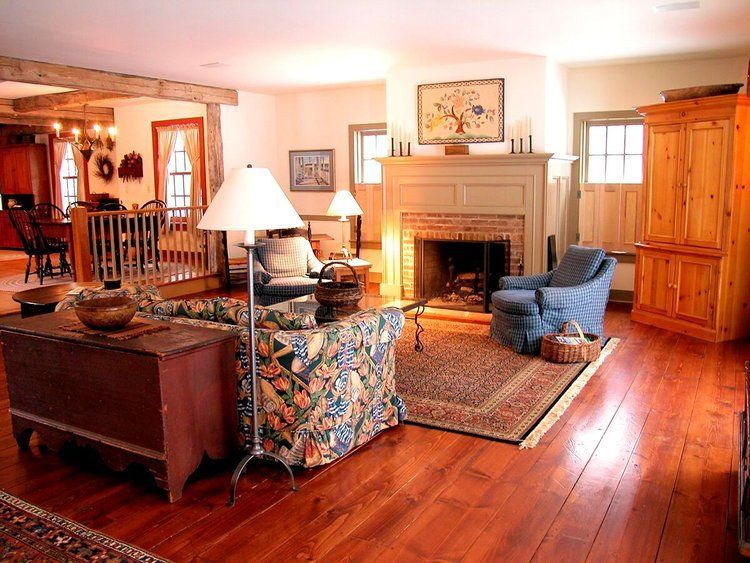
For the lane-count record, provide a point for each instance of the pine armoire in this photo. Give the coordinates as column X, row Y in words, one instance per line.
column 692, row 271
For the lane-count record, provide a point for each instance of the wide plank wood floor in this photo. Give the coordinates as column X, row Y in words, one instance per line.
column 641, row 467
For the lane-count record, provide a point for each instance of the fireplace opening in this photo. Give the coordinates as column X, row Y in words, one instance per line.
column 459, row 274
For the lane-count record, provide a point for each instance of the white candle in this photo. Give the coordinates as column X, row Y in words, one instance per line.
column 528, row 127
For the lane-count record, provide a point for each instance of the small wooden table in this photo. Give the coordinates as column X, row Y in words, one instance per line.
column 43, row 299
column 161, row 400
column 362, row 267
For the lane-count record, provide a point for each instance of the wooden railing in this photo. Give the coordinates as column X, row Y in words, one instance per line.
column 142, row 246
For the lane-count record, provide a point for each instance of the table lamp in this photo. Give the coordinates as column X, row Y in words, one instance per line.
column 250, row 199
column 344, row 205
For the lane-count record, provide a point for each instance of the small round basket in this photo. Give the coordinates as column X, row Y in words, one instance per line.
column 105, row 313
column 555, row 350
column 338, row 294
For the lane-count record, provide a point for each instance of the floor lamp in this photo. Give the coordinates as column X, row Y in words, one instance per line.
column 251, row 200
column 344, row 205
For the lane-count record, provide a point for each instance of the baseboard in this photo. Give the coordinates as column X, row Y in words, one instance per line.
column 621, row 295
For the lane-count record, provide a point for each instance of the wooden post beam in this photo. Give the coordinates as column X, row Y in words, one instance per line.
column 68, row 118
column 35, row 72
column 63, row 99
column 81, row 247
column 215, row 158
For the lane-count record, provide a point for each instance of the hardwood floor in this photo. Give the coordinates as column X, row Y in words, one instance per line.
column 640, row 467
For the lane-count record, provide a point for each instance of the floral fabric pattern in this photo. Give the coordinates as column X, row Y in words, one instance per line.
column 143, row 294
column 323, row 391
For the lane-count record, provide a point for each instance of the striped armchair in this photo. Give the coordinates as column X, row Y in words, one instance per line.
column 528, row 307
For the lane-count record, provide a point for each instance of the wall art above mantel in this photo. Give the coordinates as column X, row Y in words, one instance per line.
column 470, row 111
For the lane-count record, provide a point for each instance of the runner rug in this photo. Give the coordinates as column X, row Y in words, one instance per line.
column 28, row 533
column 466, row 382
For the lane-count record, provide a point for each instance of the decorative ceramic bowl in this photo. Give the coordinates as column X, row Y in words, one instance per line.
column 105, row 313
column 699, row 92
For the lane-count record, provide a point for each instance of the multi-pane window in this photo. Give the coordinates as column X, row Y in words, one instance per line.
column 368, row 145
column 614, row 152
column 68, row 178
column 179, row 175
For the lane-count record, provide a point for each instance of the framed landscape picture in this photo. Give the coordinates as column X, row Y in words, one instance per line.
column 311, row 171
column 470, row 111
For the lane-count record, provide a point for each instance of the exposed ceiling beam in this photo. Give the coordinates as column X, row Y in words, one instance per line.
column 63, row 99
column 34, row 72
column 67, row 117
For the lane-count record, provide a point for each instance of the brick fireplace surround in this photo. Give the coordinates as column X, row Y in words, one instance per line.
column 458, row 226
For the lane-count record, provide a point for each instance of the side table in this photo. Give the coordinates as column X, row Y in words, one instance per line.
column 362, row 267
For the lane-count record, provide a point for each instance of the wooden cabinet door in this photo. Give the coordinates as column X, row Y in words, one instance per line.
column 16, row 176
column 654, row 291
column 695, row 279
column 704, row 187
column 663, row 194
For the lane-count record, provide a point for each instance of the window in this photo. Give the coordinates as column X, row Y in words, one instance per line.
column 68, row 178
column 613, row 151
column 179, row 175
column 369, row 144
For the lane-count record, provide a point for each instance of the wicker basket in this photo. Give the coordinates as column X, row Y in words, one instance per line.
column 563, row 353
column 338, row 294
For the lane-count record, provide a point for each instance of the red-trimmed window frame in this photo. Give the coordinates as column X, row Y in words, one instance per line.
column 57, row 194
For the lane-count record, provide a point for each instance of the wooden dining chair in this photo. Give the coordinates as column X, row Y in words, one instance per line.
column 152, row 235
column 48, row 211
column 87, row 204
column 37, row 246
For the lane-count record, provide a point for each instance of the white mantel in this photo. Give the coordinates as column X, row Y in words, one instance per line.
column 536, row 186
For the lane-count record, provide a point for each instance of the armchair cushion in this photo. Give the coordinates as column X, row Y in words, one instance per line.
column 285, row 257
column 577, row 266
column 516, row 301
column 525, row 282
column 290, row 286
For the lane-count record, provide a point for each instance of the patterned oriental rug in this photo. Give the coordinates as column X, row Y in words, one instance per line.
column 28, row 533
column 466, row 382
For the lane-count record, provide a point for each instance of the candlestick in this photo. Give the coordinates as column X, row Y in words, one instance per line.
column 520, row 145
column 408, row 148
column 393, row 146
column 531, row 149
column 400, row 148
column 512, row 146
column 57, row 127
column 97, row 130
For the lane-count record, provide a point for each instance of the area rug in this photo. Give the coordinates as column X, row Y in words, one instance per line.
column 15, row 283
column 466, row 382
column 28, row 533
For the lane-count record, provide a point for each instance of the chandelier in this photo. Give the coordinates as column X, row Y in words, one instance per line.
column 85, row 144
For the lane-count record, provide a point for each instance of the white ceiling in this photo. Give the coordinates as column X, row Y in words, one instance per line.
column 277, row 45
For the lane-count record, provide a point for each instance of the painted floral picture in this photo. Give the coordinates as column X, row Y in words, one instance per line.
column 461, row 112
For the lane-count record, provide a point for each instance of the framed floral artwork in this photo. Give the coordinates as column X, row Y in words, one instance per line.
column 470, row 111
column 311, row 171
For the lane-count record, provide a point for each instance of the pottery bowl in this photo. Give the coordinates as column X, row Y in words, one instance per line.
column 105, row 313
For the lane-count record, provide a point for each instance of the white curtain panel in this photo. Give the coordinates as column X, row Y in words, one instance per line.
column 58, row 150
column 81, row 166
column 166, row 137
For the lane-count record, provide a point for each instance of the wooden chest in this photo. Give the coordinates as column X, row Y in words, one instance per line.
column 161, row 400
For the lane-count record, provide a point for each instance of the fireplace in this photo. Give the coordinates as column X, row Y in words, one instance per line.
column 459, row 274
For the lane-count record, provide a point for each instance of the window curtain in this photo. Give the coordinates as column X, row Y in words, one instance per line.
column 166, row 137
column 191, row 136
column 80, row 165
column 58, row 150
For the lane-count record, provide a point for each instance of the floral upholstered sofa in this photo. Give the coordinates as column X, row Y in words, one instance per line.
column 324, row 390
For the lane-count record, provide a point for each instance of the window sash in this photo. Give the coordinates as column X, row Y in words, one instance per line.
column 604, row 156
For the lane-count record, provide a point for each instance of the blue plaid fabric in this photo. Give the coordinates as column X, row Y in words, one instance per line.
column 577, row 266
column 284, row 268
column 516, row 324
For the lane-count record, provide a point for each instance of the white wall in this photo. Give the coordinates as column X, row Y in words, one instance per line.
column 248, row 133
column 134, row 134
column 625, row 86
column 525, row 79
column 320, row 119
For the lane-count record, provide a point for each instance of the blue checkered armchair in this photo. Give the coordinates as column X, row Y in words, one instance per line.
column 284, row 268
column 528, row 307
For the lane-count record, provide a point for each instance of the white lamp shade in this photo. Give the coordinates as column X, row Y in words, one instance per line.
column 343, row 205
column 250, row 200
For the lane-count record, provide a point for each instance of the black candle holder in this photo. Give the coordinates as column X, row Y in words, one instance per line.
column 512, row 146
column 393, row 146
column 531, row 149
column 400, row 148
column 408, row 148
column 520, row 144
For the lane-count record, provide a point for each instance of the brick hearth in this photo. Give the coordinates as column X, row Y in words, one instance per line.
column 454, row 226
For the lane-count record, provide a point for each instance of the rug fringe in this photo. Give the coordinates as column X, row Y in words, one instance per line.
column 567, row 398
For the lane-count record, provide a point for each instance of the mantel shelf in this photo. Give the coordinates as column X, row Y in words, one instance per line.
column 486, row 159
